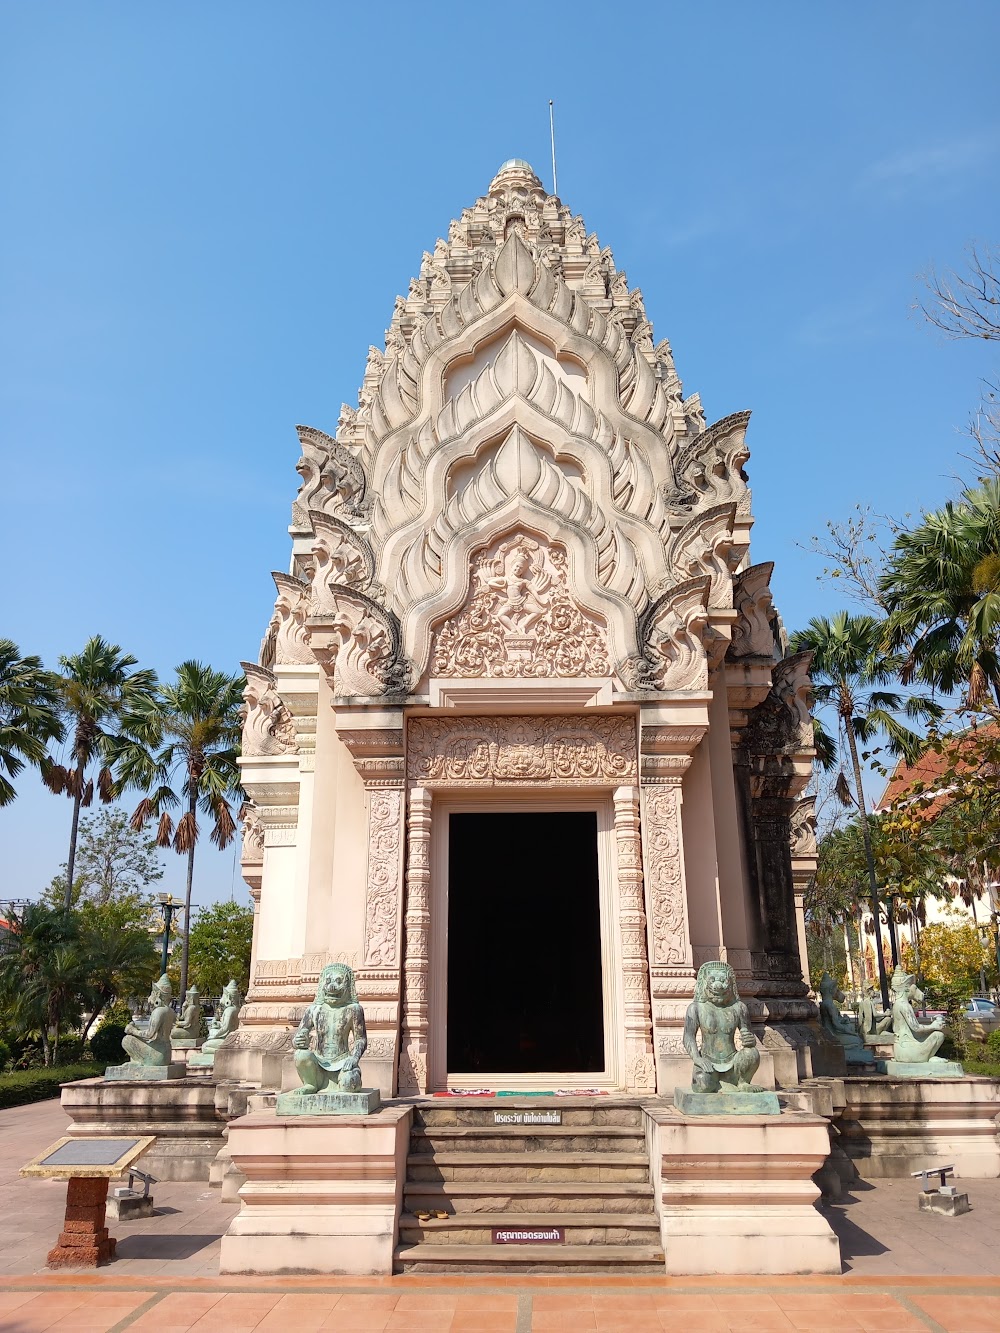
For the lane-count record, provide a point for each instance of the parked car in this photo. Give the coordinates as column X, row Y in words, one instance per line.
column 983, row 1016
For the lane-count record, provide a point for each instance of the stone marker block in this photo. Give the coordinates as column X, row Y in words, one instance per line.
column 726, row 1103
column 130, row 1207
column 951, row 1205
column 137, row 1073
column 929, row 1069
column 185, row 1043
column 363, row 1102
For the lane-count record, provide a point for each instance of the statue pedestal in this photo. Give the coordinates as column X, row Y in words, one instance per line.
column 201, row 1060
column 139, row 1073
column 689, row 1102
column 894, row 1126
column 185, row 1043
column 322, row 1193
column 365, row 1101
column 736, row 1195
column 928, row 1069
column 180, row 1112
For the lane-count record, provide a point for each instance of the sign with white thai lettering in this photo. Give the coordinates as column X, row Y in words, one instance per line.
column 529, row 1235
column 527, row 1117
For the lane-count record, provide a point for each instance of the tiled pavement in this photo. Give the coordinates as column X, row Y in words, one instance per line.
column 903, row 1271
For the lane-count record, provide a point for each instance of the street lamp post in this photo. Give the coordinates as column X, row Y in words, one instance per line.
column 168, row 908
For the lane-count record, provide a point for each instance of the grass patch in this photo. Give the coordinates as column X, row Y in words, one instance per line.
column 38, row 1085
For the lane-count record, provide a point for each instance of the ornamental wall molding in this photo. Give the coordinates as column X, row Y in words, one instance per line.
column 519, row 619
column 576, row 751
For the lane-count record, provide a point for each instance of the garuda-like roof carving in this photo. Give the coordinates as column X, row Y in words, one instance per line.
column 520, row 391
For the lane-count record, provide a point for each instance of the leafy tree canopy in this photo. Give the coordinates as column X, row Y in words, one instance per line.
column 219, row 947
column 113, row 862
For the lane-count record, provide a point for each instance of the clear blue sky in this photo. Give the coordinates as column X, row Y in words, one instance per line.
column 207, row 210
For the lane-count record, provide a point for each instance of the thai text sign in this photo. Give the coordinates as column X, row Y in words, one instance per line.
column 529, row 1235
column 527, row 1117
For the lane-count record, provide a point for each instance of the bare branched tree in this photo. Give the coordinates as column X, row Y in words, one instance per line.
column 855, row 553
column 966, row 304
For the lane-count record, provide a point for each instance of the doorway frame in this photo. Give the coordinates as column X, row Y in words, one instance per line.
column 599, row 801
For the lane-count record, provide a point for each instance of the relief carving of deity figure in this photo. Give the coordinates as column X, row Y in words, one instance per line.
column 523, row 584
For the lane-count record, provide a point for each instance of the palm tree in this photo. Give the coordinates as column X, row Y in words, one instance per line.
column 941, row 589
column 123, row 961
column 42, row 972
column 29, row 715
column 182, row 748
column 96, row 689
column 848, row 668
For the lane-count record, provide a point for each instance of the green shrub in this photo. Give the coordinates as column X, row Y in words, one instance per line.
column 993, row 1045
column 117, row 1014
column 106, row 1044
column 4, row 1055
column 38, row 1085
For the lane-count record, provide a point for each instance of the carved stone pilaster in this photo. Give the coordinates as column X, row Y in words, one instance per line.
column 383, row 898
column 413, row 1057
column 640, row 1073
column 664, row 861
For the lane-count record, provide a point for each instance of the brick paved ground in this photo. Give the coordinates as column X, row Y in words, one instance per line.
column 904, row 1271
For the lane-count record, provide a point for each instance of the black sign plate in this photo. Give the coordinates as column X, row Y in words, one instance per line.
column 89, row 1152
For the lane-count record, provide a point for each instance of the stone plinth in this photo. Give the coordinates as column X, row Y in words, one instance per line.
column 202, row 1060
column 180, row 1113
column 134, row 1072
column 927, row 1069
column 322, row 1193
column 689, row 1102
column 736, row 1195
column 365, row 1101
column 893, row 1127
column 949, row 1205
column 84, row 1241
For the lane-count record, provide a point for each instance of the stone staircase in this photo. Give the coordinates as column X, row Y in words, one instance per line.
column 587, row 1176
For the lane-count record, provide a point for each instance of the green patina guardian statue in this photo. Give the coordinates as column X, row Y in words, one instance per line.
column 188, row 1027
column 837, row 1026
column 149, row 1050
column 219, row 1028
column 723, row 1072
column 915, row 1044
column 327, row 1048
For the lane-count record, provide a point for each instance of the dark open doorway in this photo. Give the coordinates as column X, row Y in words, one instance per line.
column 524, row 944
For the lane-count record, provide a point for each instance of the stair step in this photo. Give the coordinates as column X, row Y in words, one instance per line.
column 523, row 1197
column 431, row 1258
column 528, row 1138
column 450, row 1158
column 491, row 1167
column 467, row 1228
column 575, row 1112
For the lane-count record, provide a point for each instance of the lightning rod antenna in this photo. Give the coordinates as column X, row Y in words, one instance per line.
column 552, row 136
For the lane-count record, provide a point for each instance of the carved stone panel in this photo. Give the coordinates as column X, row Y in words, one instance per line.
column 493, row 751
column 384, row 875
column 665, row 875
column 519, row 619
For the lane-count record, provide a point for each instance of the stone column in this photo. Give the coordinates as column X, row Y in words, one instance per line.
column 416, row 960
column 383, row 943
column 639, row 1072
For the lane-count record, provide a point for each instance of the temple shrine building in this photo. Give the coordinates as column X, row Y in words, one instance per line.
column 524, row 745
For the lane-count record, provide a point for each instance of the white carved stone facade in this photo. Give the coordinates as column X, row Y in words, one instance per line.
column 520, row 573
